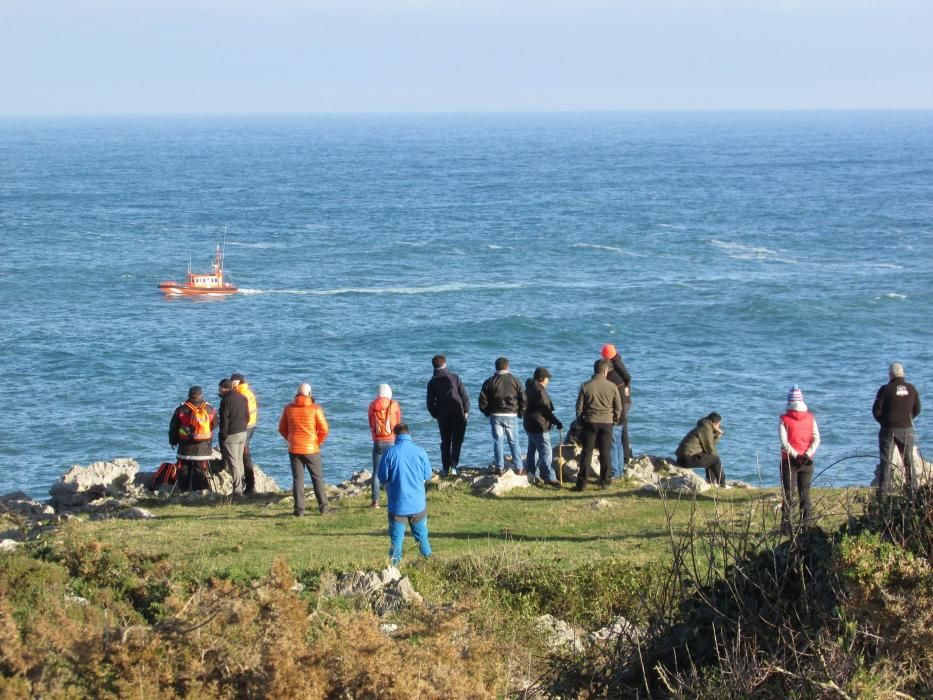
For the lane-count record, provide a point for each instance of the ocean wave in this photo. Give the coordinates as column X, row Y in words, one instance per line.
column 740, row 251
column 889, row 266
column 340, row 291
column 595, row 246
column 892, row 295
column 493, row 246
column 256, row 245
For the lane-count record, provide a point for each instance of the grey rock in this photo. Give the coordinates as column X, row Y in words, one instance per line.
column 81, row 485
column 600, row 504
column 620, row 627
column 15, row 535
column 135, row 514
column 389, row 629
column 559, row 635
column 491, row 485
column 18, row 503
column 9, row 545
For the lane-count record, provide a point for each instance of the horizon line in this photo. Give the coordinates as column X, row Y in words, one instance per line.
column 479, row 112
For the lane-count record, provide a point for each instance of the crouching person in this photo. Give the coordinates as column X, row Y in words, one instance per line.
column 304, row 426
column 403, row 469
column 190, row 431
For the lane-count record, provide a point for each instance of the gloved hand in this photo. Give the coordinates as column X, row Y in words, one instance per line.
column 803, row 461
column 558, row 424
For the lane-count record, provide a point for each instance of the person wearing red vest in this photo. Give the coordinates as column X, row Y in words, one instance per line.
column 800, row 438
column 190, row 431
column 239, row 383
column 305, row 428
column 384, row 415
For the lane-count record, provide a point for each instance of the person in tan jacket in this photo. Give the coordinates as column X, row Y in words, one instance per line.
column 599, row 408
column 305, row 428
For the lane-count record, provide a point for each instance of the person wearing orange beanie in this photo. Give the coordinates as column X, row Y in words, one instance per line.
column 618, row 375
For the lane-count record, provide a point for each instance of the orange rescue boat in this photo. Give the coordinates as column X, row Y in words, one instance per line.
column 202, row 284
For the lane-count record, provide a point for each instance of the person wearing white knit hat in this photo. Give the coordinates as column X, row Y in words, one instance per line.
column 384, row 415
column 800, row 439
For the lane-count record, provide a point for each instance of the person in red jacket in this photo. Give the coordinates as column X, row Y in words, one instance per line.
column 800, row 439
column 384, row 415
column 304, row 426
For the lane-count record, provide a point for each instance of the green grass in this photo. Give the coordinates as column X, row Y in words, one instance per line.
column 240, row 541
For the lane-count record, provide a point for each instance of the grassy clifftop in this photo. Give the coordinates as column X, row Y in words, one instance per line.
column 236, row 600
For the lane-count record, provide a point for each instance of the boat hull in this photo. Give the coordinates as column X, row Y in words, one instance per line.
column 176, row 289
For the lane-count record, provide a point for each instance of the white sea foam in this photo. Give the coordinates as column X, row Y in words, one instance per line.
column 255, row 245
column 436, row 289
column 493, row 246
column 414, row 244
column 740, row 251
column 889, row 266
column 595, row 246
column 892, row 295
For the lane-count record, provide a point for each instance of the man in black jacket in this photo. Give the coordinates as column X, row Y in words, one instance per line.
column 538, row 419
column 234, row 420
column 449, row 404
column 896, row 405
column 503, row 401
column 618, row 375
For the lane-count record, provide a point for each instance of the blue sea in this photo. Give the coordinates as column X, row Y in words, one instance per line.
column 726, row 255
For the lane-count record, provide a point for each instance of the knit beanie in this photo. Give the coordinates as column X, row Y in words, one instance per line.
column 384, row 391
column 608, row 351
column 795, row 399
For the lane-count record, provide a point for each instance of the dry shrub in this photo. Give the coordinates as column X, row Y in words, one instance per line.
column 223, row 640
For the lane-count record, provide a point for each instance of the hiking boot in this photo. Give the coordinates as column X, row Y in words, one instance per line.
column 496, row 471
column 522, row 472
column 327, row 510
column 374, row 504
column 577, row 487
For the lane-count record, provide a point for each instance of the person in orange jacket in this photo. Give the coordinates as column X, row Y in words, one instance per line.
column 384, row 415
column 242, row 387
column 305, row 428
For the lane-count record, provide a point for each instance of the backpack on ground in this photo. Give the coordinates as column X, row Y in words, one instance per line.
column 166, row 474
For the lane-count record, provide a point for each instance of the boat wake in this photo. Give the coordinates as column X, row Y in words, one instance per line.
column 436, row 289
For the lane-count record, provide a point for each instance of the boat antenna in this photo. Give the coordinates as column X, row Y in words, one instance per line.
column 223, row 250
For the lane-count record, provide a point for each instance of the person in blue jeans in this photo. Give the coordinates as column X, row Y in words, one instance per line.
column 403, row 469
column 502, row 400
column 538, row 419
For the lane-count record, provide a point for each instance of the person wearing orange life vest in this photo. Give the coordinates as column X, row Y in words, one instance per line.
column 800, row 439
column 190, row 431
column 305, row 428
column 384, row 415
column 242, row 387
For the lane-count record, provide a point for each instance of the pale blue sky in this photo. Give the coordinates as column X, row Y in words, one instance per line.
column 234, row 56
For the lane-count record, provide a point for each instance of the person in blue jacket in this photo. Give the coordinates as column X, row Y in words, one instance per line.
column 403, row 469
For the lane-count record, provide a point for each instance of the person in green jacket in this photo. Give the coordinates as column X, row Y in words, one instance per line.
column 698, row 449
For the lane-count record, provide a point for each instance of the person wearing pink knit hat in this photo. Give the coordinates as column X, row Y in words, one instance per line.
column 618, row 375
column 800, row 438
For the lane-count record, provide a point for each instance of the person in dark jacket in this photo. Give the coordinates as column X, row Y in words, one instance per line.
column 449, row 404
column 502, row 400
column 896, row 405
column 191, row 430
column 618, row 375
column 538, row 419
column 698, row 449
column 599, row 407
column 234, row 421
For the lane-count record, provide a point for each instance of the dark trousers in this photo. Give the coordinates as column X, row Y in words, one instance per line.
column 248, row 473
column 711, row 463
column 596, row 435
column 193, row 474
column 452, row 428
column 897, row 445
column 313, row 463
column 799, row 479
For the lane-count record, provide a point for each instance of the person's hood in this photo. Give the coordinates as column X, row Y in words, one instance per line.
column 301, row 400
column 384, row 391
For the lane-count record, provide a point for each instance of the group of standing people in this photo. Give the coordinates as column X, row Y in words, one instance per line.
column 601, row 422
